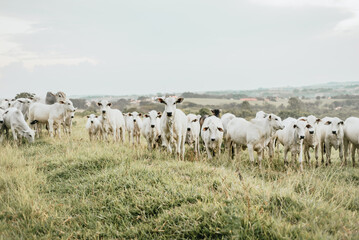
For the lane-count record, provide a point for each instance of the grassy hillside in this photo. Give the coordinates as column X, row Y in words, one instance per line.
column 72, row 188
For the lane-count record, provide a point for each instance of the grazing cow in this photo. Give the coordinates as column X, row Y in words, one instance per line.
column 254, row 135
column 134, row 126
column 112, row 121
column 212, row 135
column 23, row 104
column 52, row 98
column 291, row 137
column 151, row 128
column 50, row 114
column 225, row 119
column 173, row 125
column 193, row 130
column 312, row 138
column 14, row 120
column 331, row 135
column 94, row 127
column 351, row 137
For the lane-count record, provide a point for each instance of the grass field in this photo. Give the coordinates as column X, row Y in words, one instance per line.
column 72, row 188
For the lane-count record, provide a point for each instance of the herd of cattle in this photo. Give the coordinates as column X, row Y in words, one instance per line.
column 173, row 128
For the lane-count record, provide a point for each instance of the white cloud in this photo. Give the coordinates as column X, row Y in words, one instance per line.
column 13, row 52
column 346, row 26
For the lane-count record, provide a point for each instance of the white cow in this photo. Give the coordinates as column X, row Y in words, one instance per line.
column 68, row 122
column 254, row 135
column 14, row 120
column 50, row 114
column 151, row 128
column 94, row 127
column 173, row 125
column 351, row 137
column 133, row 127
column 312, row 138
column 331, row 135
column 23, row 104
column 113, row 121
column 212, row 135
column 291, row 137
column 1, row 122
column 193, row 130
column 225, row 119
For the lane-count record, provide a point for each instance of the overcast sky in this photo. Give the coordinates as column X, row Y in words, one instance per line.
column 139, row 46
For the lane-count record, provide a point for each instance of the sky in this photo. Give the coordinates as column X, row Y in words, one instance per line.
column 117, row 47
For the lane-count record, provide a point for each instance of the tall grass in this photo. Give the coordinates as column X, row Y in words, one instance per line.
column 73, row 188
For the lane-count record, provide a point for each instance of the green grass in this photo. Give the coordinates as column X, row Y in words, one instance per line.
column 72, row 188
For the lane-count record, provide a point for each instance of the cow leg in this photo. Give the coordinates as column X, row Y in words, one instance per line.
column 14, row 134
column 250, row 152
column 341, row 152
column 322, row 145
column 259, row 156
column 286, row 150
column 208, row 152
column 353, row 154
column 51, row 127
column 328, row 153
column 346, row 143
column 183, row 146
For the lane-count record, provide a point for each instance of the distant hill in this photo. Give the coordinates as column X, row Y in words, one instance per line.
column 330, row 89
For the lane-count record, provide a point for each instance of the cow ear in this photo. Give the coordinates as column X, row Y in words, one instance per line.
column 109, row 104
column 96, row 116
column 194, row 120
column 99, row 104
column 220, row 129
column 140, row 114
column 341, row 122
column 21, row 101
column 129, row 114
column 179, row 100
column 205, row 129
column 328, row 123
column 62, row 102
column 295, row 125
column 146, row 116
column 212, row 110
column 88, row 116
column 159, row 113
column 270, row 116
column 160, row 100
column 308, row 126
column 318, row 120
column 303, row 119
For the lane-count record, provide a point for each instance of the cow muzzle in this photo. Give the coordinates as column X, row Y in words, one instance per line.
column 91, row 121
column 334, row 132
column 301, row 137
column 188, row 129
column 152, row 126
column 1, row 121
column 134, row 120
column 213, row 139
column 72, row 116
column 169, row 114
column 103, row 111
column 311, row 132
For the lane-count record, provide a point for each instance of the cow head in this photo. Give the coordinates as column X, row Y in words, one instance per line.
column 275, row 121
column 29, row 135
column 170, row 105
column 299, row 128
column 104, row 106
column 91, row 118
column 68, row 105
column 335, row 125
column 152, row 116
column 215, row 130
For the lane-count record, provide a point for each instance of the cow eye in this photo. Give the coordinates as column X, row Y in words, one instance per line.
column 276, row 119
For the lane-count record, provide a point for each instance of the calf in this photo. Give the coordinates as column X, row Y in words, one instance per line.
column 50, row 114
column 254, row 135
column 23, row 104
column 351, row 137
column 193, row 130
column 134, row 126
column 5, row 104
column 94, row 127
column 331, row 135
column 173, row 125
column 14, row 120
column 212, row 135
column 312, row 138
column 151, row 128
column 113, row 121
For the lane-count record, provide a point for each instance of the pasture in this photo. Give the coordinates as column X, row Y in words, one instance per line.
column 74, row 188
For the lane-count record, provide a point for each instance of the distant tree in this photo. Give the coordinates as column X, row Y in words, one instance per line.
column 246, row 106
column 79, row 103
column 24, row 95
column 294, row 103
column 204, row 111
